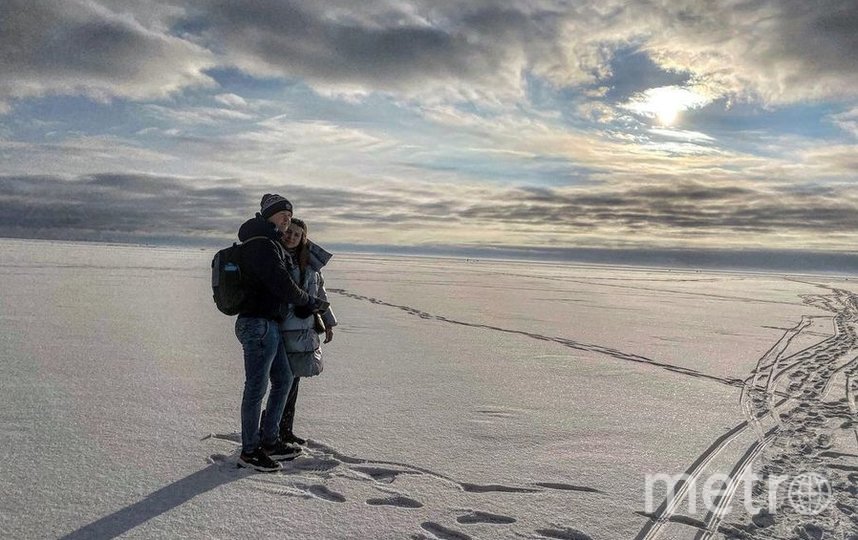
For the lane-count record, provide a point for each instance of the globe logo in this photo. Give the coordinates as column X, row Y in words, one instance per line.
column 810, row 493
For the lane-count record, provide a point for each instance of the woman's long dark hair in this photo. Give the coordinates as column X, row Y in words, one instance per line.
column 302, row 250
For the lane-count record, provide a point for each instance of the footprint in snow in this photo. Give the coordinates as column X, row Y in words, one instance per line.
column 566, row 487
column 230, row 437
column 324, row 493
column 443, row 533
column 485, row 517
column 399, row 500
column 307, row 463
column 490, row 488
column 381, row 474
column 563, row 534
column 218, row 458
column 497, row 412
column 321, row 492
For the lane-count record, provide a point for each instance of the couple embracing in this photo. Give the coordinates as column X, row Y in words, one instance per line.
column 277, row 326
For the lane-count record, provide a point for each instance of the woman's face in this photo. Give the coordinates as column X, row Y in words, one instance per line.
column 292, row 236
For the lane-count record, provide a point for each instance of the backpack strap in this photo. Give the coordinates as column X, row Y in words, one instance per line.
column 256, row 238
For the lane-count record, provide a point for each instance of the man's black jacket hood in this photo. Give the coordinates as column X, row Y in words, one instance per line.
column 258, row 226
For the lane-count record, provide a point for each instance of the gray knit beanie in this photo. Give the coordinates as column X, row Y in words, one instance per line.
column 273, row 203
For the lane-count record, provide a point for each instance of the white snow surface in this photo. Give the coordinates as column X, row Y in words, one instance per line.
column 460, row 399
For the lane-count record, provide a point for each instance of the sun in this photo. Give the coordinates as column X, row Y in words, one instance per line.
column 665, row 103
column 665, row 112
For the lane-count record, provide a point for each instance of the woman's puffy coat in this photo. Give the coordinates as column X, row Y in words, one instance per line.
column 302, row 343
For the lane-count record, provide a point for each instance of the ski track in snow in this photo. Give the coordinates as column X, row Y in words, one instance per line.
column 781, row 440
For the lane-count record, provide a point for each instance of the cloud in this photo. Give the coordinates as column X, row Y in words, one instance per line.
column 847, row 121
column 491, row 122
column 231, row 100
column 682, row 135
column 83, row 47
column 197, row 115
column 483, row 51
column 400, row 48
column 775, row 51
column 79, row 153
column 838, row 161
column 123, row 206
column 90, row 206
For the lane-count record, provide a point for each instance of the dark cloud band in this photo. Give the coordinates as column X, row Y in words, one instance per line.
column 127, row 205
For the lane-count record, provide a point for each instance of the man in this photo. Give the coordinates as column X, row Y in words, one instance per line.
column 265, row 270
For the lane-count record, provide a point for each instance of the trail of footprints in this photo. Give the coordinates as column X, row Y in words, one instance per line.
column 323, row 462
column 807, row 421
column 785, row 402
column 792, row 410
column 572, row 344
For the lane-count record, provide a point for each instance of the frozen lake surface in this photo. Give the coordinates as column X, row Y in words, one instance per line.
column 460, row 399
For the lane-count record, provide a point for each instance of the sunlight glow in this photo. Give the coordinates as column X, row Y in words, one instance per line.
column 665, row 103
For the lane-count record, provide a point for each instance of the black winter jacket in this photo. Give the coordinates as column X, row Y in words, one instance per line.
column 265, row 265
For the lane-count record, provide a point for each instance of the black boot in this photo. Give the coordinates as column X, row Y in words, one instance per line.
column 288, row 419
column 291, row 438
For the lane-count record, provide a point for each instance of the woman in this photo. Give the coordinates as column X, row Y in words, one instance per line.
column 300, row 335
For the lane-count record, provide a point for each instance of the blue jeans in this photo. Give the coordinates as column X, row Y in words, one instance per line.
column 264, row 359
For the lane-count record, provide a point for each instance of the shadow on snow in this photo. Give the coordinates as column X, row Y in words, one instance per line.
column 155, row 504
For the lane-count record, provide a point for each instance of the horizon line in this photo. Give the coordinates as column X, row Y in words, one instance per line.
column 679, row 258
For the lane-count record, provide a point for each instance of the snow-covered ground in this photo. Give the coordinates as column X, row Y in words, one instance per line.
column 460, row 399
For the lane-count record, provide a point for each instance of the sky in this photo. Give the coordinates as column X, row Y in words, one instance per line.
column 537, row 124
